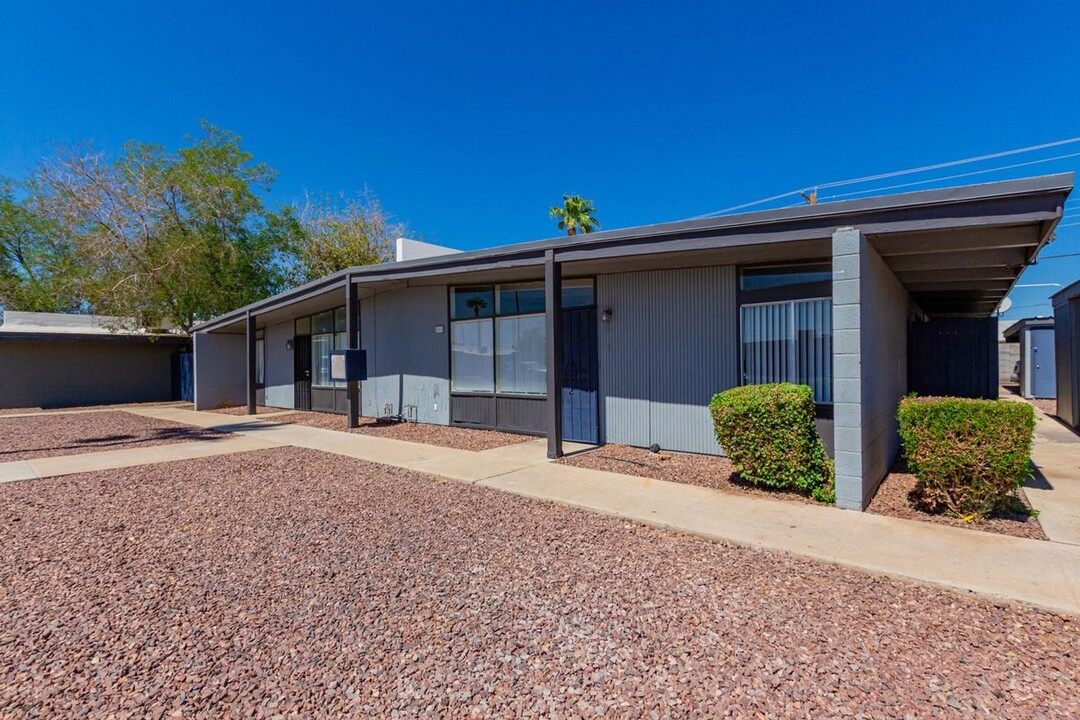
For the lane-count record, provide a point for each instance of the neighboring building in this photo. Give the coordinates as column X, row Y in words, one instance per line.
column 54, row 360
column 623, row 336
column 1066, row 304
column 1038, row 371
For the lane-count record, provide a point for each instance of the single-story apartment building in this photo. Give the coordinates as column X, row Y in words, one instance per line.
column 52, row 360
column 1066, row 303
column 623, row 336
column 1038, row 371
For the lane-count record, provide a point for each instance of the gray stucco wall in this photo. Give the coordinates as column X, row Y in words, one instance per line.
column 870, row 314
column 278, row 368
column 408, row 361
column 65, row 373
column 220, row 370
column 670, row 346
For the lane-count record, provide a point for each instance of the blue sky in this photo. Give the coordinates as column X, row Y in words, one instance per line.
column 469, row 120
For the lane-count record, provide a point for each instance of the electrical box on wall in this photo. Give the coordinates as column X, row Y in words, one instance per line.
column 348, row 365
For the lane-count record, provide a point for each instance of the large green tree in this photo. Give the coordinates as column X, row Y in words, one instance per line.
column 169, row 239
column 576, row 214
column 165, row 238
column 333, row 233
column 39, row 271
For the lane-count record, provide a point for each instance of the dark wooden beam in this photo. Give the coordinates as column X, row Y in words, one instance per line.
column 250, row 327
column 352, row 340
column 553, row 316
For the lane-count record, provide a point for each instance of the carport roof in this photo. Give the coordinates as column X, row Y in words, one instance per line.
column 958, row 250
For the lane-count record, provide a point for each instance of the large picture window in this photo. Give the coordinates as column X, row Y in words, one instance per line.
column 789, row 341
column 520, row 354
column 471, row 349
column 498, row 336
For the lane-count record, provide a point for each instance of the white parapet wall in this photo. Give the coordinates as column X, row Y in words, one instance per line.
column 406, row 249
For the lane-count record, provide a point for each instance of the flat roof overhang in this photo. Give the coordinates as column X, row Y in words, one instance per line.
column 957, row 250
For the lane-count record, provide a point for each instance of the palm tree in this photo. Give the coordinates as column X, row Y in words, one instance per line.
column 575, row 214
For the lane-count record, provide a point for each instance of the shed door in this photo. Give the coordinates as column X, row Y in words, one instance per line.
column 579, row 391
column 302, row 372
column 1043, row 379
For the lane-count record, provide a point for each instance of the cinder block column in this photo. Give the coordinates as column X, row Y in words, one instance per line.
column 848, row 244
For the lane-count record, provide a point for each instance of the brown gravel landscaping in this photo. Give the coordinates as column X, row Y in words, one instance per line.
column 293, row 583
column 52, row 434
column 459, row 438
column 705, row 470
column 894, row 497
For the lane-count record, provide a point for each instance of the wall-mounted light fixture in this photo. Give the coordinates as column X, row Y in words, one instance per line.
column 607, row 315
column 288, row 344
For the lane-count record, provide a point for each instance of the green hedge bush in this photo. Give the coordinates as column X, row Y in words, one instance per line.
column 969, row 456
column 769, row 435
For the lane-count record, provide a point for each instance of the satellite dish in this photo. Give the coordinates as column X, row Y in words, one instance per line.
column 1005, row 305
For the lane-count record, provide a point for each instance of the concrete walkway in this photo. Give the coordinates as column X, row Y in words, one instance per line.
column 1033, row 571
column 1055, row 489
column 128, row 457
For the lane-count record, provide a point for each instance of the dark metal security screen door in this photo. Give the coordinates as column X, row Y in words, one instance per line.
column 579, row 394
column 302, row 372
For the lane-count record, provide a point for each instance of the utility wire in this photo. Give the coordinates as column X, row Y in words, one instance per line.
column 897, row 173
column 954, row 177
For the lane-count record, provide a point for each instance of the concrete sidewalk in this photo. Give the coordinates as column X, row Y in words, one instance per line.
column 128, row 457
column 1055, row 489
column 1033, row 571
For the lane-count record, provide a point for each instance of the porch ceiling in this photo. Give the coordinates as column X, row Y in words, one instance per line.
column 961, row 272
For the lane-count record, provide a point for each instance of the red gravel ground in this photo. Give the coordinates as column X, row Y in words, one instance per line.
column 62, row 434
column 290, row 583
column 459, row 438
column 893, row 498
column 705, row 470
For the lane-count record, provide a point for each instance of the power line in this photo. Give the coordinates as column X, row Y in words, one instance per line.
column 954, row 177
column 897, row 173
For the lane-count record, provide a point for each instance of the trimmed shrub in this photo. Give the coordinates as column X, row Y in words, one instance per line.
column 769, row 435
column 970, row 456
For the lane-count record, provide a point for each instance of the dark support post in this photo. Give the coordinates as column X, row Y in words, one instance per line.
column 352, row 327
column 553, row 316
column 250, row 364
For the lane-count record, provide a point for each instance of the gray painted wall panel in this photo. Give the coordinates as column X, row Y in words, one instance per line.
column 220, row 370
column 671, row 345
column 408, row 361
column 64, row 373
column 278, row 372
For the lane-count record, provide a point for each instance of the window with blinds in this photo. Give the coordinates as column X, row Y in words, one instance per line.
column 789, row 341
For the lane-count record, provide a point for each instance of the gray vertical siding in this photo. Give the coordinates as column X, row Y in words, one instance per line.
column 220, row 374
column 672, row 343
column 408, row 362
column 278, row 365
column 1065, row 359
